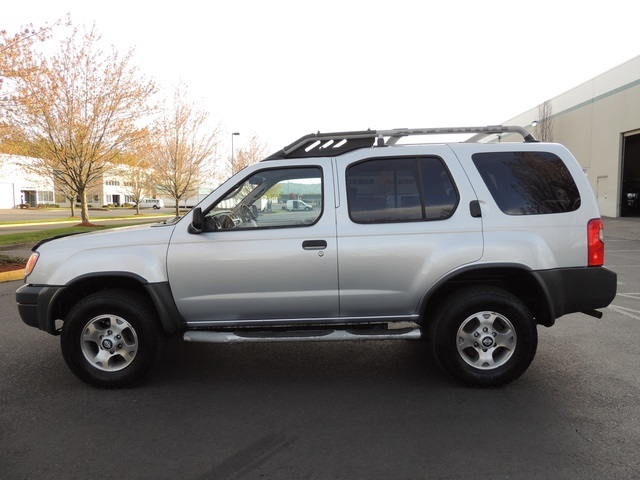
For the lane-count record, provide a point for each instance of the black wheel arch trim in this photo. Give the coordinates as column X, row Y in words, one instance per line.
column 36, row 302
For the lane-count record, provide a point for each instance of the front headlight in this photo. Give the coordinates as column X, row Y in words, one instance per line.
column 31, row 263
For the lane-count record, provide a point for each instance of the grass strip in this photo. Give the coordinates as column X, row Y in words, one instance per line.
column 31, row 238
column 50, row 221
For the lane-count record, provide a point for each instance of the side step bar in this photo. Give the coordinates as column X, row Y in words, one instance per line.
column 324, row 335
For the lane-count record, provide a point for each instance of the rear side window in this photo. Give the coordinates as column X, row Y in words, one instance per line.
column 528, row 183
column 400, row 190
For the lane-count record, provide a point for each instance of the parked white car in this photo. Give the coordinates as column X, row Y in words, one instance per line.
column 296, row 205
column 155, row 203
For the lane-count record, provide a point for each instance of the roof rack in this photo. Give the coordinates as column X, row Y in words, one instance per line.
column 337, row 143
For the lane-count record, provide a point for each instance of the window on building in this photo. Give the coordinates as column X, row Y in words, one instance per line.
column 45, row 196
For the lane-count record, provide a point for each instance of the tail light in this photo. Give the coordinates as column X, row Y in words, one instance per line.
column 595, row 237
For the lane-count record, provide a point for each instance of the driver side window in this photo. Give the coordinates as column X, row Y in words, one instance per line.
column 283, row 197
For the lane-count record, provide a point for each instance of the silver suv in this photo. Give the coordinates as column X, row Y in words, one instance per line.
column 469, row 246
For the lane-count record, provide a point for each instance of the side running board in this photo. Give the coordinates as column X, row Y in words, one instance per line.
column 323, row 335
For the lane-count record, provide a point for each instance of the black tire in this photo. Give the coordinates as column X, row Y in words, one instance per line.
column 483, row 336
column 110, row 339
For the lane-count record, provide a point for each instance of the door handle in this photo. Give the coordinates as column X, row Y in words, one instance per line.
column 314, row 244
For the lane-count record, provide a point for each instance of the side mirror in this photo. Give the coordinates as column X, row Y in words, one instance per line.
column 197, row 221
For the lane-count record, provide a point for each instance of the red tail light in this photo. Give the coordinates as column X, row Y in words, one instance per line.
column 595, row 237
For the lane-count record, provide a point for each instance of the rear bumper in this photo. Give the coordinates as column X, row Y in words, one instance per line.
column 571, row 290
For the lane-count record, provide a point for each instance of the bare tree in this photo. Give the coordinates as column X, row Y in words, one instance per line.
column 76, row 111
column 244, row 157
column 185, row 148
column 13, row 49
column 544, row 128
column 138, row 181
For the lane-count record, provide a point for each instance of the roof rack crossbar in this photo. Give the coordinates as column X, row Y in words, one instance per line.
column 336, row 143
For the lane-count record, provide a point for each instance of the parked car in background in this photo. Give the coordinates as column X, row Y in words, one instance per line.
column 293, row 205
column 155, row 203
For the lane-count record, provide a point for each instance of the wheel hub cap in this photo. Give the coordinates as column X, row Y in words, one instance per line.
column 109, row 343
column 486, row 340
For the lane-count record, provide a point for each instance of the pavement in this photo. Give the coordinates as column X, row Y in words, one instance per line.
column 626, row 228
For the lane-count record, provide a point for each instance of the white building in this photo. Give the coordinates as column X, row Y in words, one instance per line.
column 21, row 187
column 599, row 121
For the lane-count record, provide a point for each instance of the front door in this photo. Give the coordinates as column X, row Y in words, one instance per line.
column 255, row 259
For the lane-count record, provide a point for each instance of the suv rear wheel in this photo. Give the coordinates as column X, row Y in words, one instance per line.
column 483, row 336
column 110, row 339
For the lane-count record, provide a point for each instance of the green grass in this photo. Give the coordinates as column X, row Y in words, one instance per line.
column 31, row 238
column 77, row 219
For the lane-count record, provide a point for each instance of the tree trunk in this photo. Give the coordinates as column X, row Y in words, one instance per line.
column 84, row 207
column 177, row 207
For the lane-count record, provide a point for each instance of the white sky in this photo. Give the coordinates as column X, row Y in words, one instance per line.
column 283, row 69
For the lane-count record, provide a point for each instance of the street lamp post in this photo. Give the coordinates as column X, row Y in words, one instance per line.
column 233, row 163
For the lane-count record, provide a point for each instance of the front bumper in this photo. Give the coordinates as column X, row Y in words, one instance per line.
column 34, row 306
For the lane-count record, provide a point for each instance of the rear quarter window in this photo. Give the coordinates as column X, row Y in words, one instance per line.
column 528, row 183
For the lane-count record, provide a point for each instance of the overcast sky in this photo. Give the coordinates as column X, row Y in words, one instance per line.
column 283, row 69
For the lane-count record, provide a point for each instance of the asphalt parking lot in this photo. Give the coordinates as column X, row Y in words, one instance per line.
column 378, row 410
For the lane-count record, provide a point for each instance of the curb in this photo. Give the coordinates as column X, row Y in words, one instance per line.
column 12, row 275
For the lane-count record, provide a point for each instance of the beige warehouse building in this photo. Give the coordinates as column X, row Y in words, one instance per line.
column 599, row 121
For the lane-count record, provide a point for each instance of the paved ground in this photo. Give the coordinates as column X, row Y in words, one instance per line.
column 348, row 410
column 342, row 411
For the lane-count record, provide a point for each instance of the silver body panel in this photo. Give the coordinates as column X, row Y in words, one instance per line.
column 139, row 251
column 363, row 273
column 248, row 274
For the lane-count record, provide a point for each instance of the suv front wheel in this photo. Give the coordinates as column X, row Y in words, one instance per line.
column 110, row 339
column 483, row 336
